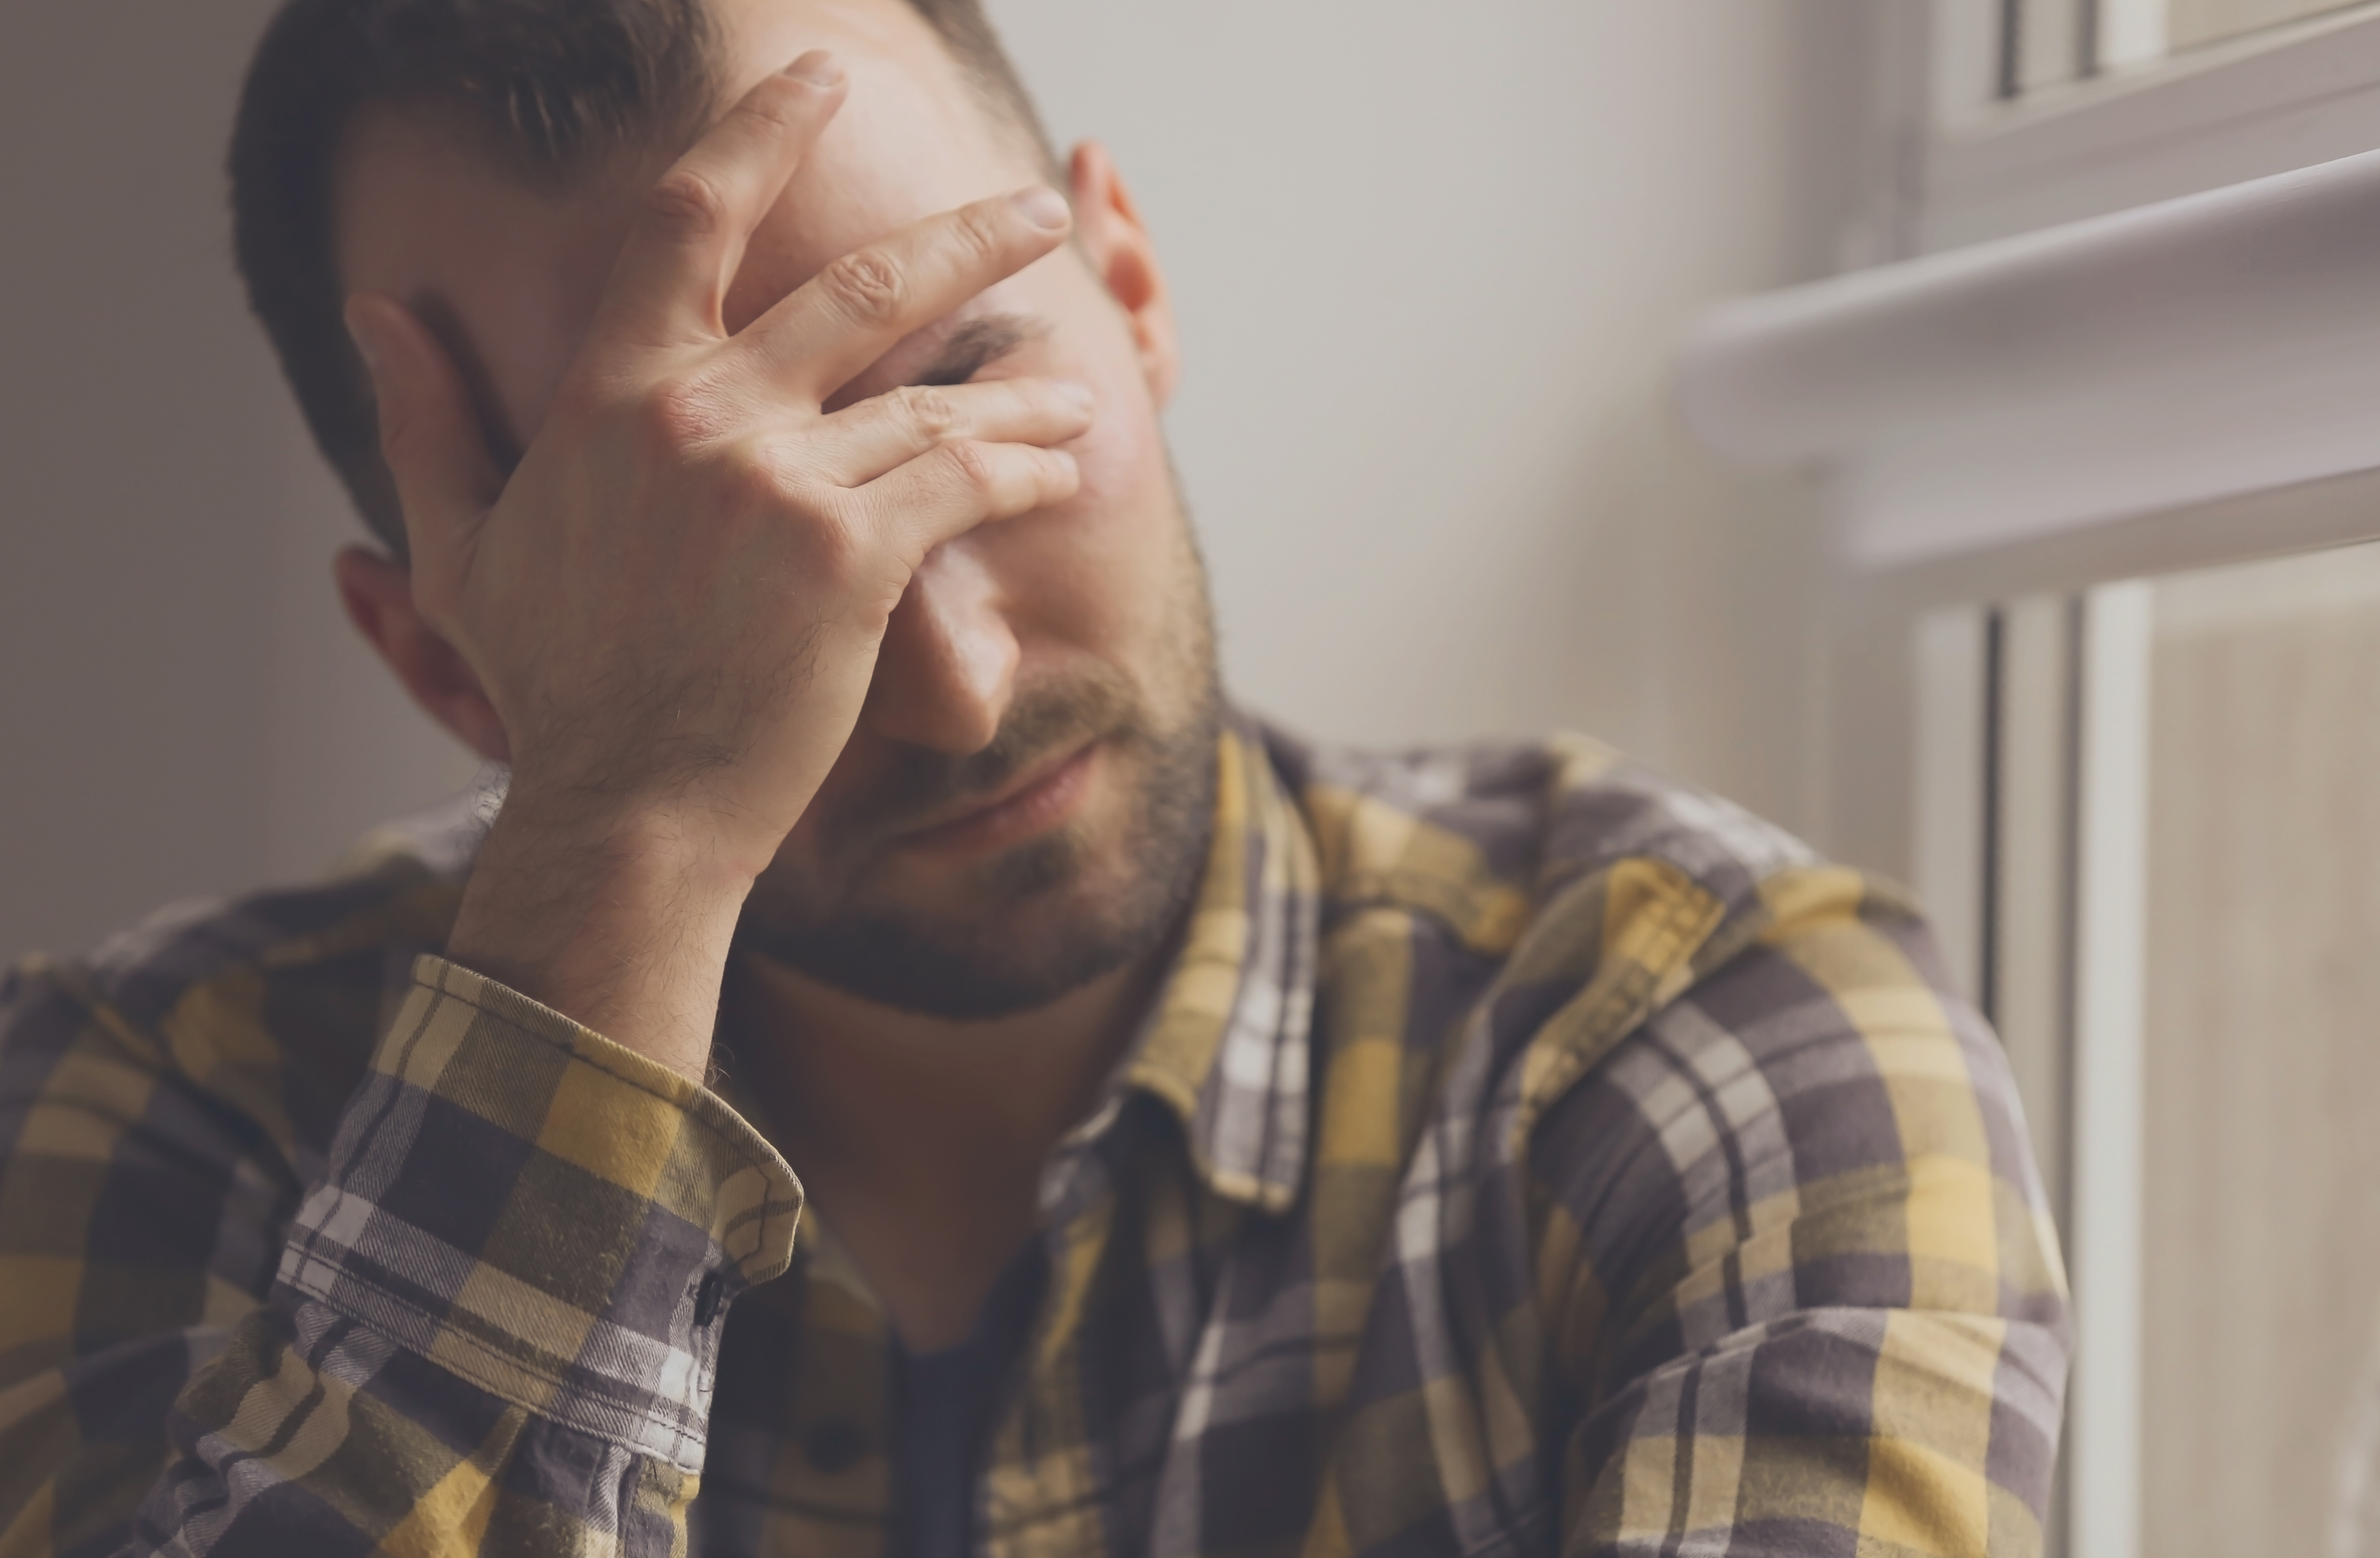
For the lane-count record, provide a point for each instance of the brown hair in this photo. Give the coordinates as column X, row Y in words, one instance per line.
column 549, row 83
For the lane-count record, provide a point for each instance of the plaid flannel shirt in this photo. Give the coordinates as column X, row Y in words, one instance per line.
column 1525, row 1154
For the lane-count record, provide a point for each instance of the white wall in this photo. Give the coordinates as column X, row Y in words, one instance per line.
column 1431, row 259
column 180, row 711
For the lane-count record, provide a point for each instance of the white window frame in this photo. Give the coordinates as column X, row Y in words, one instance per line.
column 2289, row 97
column 2108, row 331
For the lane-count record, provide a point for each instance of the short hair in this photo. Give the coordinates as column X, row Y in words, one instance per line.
column 547, row 85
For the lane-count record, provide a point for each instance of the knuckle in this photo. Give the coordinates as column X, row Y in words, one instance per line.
column 929, row 409
column 747, row 489
column 764, row 486
column 978, row 235
column 675, row 418
column 687, row 203
column 866, row 285
column 746, row 496
column 834, row 545
column 775, row 109
column 972, row 467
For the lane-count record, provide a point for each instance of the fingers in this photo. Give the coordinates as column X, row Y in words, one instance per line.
column 433, row 445
column 821, row 336
column 960, row 485
column 672, row 277
column 861, row 443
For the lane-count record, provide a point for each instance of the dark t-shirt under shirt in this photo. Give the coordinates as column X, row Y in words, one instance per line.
column 944, row 1412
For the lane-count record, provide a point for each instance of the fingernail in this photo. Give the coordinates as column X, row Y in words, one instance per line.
column 817, row 67
column 1076, row 394
column 1042, row 206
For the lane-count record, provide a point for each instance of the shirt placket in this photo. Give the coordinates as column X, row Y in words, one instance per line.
column 1043, row 1492
column 831, row 1488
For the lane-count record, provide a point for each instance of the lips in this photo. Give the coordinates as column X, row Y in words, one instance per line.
column 1032, row 803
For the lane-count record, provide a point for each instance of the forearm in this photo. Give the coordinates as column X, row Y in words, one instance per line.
column 505, row 1188
column 312, row 1434
column 1821, row 1430
column 1812, row 1295
column 518, row 1255
column 618, row 918
column 521, row 1256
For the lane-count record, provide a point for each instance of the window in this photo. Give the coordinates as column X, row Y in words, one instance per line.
column 2051, row 42
column 2260, row 1253
column 2169, row 849
column 2099, row 441
column 2005, row 137
column 2161, row 26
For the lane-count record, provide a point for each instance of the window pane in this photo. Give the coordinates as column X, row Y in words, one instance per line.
column 2050, row 43
column 2141, row 32
column 2192, row 22
column 2260, row 1275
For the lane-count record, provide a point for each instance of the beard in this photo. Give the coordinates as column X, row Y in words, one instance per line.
column 1016, row 931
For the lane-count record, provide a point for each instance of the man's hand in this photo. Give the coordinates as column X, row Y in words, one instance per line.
column 674, row 604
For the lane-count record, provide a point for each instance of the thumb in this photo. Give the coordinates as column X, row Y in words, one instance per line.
column 445, row 476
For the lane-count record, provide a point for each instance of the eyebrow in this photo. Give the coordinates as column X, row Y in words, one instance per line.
column 975, row 343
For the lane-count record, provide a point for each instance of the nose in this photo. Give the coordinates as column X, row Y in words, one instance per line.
column 947, row 670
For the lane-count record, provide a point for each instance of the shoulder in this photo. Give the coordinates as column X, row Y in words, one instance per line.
column 1491, row 836
column 1597, row 894
column 266, row 1004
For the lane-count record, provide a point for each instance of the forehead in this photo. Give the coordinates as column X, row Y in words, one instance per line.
column 425, row 218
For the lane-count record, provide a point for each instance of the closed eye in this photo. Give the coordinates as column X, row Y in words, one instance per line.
column 976, row 344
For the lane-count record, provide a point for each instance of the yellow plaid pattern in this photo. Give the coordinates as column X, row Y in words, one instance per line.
column 1525, row 1154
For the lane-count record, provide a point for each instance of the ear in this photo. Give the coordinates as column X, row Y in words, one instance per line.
column 1109, row 228
column 378, row 594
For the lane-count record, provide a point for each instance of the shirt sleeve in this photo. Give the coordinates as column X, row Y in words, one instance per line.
column 1809, row 1297
column 491, row 1327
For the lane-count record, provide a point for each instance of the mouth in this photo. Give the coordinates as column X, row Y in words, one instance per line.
column 1033, row 803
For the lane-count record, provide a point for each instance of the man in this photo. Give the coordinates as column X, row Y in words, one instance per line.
column 1210, row 1144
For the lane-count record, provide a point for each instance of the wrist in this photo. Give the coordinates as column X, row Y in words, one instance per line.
column 619, row 917
column 648, row 845
column 676, row 825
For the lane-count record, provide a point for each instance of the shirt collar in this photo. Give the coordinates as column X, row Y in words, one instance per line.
column 1227, row 1044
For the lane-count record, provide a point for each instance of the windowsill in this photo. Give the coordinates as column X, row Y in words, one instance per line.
column 2201, row 348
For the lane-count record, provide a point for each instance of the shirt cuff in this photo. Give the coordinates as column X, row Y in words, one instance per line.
column 552, row 1217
